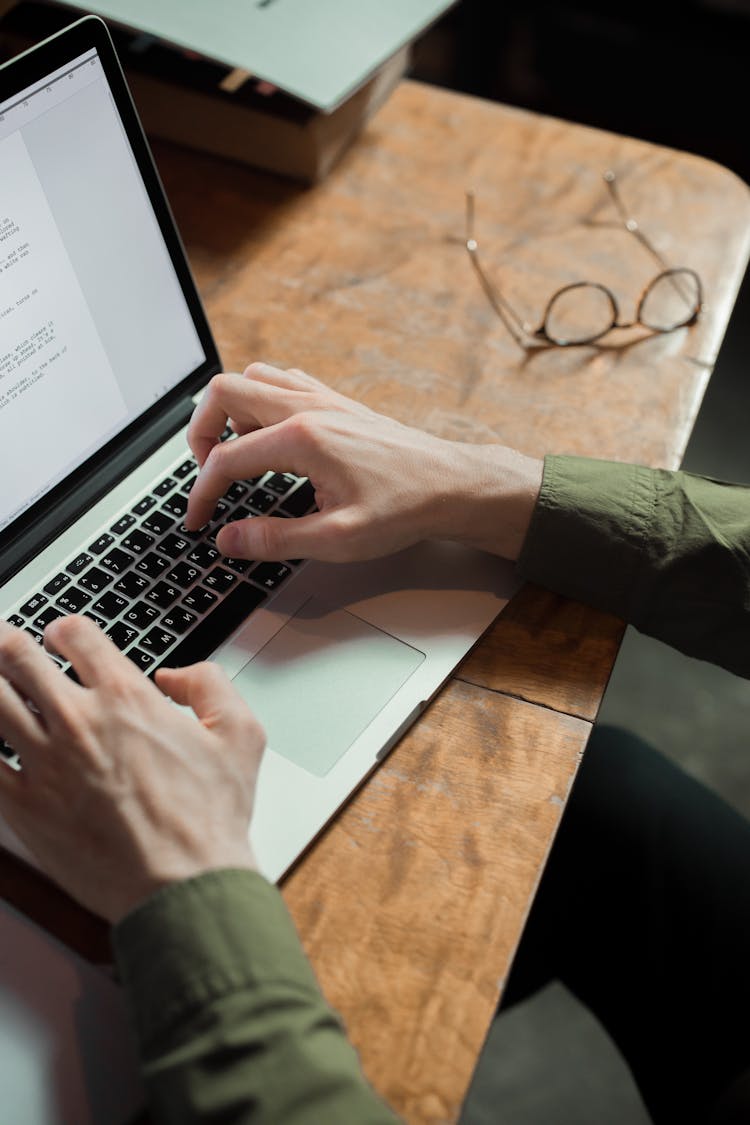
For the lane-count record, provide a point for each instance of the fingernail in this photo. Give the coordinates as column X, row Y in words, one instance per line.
column 231, row 540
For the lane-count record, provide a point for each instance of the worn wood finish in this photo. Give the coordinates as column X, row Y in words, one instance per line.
column 547, row 649
column 364, row 279
column 412, row 903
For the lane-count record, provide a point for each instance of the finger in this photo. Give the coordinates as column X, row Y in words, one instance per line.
column 291, row 379
column 208, row 422
column 19, row 726
column 252, row 404
column 279, row 447
column 321, row 535
column 27, row 667
column 210, row 693
column 93, row 655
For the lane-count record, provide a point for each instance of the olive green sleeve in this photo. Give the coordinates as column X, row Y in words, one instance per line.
column 230, row 1022
column 667, row 551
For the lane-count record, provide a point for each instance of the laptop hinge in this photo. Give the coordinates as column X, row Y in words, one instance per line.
column 48, row 525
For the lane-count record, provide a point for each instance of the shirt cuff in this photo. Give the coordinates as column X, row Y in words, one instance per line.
column 588, row 537
column 201, row 938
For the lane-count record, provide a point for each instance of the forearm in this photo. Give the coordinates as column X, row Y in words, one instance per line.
column 230, row 1021
column 667, row 551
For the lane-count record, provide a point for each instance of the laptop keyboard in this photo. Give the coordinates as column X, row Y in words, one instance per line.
column 165, row 595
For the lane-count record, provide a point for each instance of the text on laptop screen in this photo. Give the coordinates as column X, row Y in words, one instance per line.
column 94, row 326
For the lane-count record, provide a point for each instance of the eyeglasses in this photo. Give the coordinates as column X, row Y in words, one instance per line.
column 586, row 311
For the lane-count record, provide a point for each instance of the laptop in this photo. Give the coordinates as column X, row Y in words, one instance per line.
column 104, row 351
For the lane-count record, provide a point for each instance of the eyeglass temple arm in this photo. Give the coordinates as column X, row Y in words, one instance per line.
column 629, row 222
column 505, row 311
column 633, row 226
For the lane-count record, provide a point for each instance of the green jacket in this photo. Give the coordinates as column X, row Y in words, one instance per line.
column 230, row 1022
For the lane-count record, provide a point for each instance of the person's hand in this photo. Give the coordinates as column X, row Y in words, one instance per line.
column 379, row 485
column 120, row 792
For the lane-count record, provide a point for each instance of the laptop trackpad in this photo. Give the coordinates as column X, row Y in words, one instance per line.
column 320, row 680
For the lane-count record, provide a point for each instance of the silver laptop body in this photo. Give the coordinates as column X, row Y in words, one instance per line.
column 104, row 349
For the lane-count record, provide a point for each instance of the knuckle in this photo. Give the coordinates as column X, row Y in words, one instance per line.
column 219, row 384
column 304, row 429
column 270, row 533
column 254, row 732
column 15, row 645
column 216, row 457
column 72, row 626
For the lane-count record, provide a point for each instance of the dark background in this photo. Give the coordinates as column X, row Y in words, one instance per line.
column 666, row 71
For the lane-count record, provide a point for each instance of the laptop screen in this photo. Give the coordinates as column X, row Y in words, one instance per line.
column 94, row 324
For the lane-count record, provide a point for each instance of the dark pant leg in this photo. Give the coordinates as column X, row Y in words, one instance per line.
column 644, row 914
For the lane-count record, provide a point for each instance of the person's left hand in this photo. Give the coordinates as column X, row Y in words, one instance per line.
column 120, row 792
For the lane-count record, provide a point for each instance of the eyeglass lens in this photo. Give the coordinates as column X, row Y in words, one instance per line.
column 671, row 300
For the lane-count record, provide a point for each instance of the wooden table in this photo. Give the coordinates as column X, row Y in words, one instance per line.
column 412, row 903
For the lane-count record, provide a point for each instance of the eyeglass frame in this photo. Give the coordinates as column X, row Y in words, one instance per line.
column 540, row 337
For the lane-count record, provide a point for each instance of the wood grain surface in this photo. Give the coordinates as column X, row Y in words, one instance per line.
column 412, row 903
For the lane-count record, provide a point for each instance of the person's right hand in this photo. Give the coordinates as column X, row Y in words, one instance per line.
column 379, row 485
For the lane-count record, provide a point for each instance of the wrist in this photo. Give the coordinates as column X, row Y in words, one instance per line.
column 160, row 876
column 493, row 499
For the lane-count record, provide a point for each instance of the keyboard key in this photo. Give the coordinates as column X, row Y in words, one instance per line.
column 184, row 575
column 47, row 615
column 122, row 524
column 33, row 605
column 185, row 469
column 178, row 620
column 35, row 636
column 138, row 541
column 101, row 544
column 96, row 619
column 280, row 483
column 183, row 532
column 141, row 660
column 110, row 604
column 117, row 560
column 132, row 584
column 79, row 563
column 240, row 513
column 95, row 580
column 173, row 546
column 176, row 505
column 240, row 566
column 157, row 641
column 158, row 522
column 164, row 486
column 141, row 615
column 57, row 583
column 261, row 501
column 300, row 501
column 188, row 485
column 219, row 579
column 199, row 599
column 122, row 634
column 163, row 594
column 236, row 491
column 73, row 600
column 228, row 616
column 14, row 619
column 204, row 556
column 270, row 574
column 144, row 505
column 152, row 565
